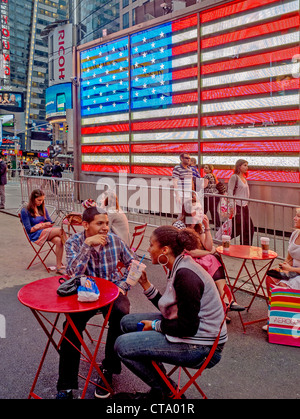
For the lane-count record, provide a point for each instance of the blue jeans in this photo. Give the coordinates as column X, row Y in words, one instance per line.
column 137, row 349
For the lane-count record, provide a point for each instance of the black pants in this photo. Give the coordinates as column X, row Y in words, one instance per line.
column 70, row 356
column 242, row 225
column 211, row 205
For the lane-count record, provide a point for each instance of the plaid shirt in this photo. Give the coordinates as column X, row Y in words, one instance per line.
column 85, row 259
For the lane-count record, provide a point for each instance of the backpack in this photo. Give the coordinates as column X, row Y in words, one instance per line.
column 47, row 170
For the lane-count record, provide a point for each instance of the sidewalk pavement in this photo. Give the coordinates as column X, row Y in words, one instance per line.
column 250, row 368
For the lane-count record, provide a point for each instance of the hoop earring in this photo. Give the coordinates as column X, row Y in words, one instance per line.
column 163, row 264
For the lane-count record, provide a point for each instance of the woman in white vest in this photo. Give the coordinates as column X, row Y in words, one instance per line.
column 191, row 313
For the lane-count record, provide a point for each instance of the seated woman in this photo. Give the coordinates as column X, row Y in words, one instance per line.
column 39, row 226
column 175, row 335
column 291, row 266
column 205, row 254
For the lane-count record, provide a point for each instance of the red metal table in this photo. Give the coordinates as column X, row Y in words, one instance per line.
column 253, row 254
column 41, row 297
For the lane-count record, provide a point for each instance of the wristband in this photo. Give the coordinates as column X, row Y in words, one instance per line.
column 153, row 324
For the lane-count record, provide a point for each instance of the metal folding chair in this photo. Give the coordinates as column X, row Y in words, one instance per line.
column 178, row 392
column 138, row 233
column 39, row 250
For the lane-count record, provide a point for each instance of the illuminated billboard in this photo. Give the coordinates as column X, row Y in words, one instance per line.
column 11, row 101
column 58, row 100
column 7, row 120
column 228, row 92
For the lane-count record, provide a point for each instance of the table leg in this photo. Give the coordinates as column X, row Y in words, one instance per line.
column 50, row 340
column 92, row 357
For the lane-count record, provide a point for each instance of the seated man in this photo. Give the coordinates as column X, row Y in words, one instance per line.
column 94, row 252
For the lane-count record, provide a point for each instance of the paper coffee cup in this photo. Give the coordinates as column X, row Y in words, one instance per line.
column 265, row 244
column 135, row 272
column 226, row 243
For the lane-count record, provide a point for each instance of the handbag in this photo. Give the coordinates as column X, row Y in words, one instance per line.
column 281, row 275
column 221, row 188
column 226, row 209
column 284, row 319
column 74, row 218
column 68, row 286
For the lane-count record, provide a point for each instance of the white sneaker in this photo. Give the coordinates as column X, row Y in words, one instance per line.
column 265, row 328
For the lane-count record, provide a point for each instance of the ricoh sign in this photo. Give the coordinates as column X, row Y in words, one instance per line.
column 60, row 54
column 5, row 37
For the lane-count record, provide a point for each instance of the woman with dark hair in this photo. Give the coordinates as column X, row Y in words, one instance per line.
column 190, row 315
column 242, row 224
column 210, row 186
column 39, row 226
column 205, row 252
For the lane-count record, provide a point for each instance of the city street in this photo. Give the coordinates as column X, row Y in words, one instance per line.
column 251, row 368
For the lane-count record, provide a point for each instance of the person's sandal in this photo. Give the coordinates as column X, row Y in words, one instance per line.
column 61, row 271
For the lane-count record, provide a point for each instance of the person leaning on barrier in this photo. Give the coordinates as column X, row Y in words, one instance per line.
column 182, row 176
column 189, row 320
column 94, row 252
column 47, row 168
column 210, row 186
column 205, row 254
column 39, row 226
column 57, row 169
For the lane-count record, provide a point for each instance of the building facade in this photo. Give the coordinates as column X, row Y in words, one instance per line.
column 28, row 54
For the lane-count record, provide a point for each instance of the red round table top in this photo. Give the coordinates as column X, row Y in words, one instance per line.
column 246, row 252
column 41, row 295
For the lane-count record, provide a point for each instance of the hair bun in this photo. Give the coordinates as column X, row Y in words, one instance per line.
column 88, row 203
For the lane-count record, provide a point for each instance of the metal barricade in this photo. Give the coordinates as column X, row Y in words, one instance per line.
column 155, row 205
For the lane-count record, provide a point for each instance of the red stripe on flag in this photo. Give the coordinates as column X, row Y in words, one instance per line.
column 164, row 148
column 185, row 98
column 184, row 23
column 259, row 30
column 105, row 128
column 232, row 9
column 184, row 49
column 104, row 168
column 185, row 73
column 243, row 147
column 165, row 124
column 262, row 175
column 251, row 89
column 105, row 149
column 252, row 118
column 152, row 170
column 255, row 60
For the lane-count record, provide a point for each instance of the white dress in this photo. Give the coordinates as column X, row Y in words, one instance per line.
column 294, row 251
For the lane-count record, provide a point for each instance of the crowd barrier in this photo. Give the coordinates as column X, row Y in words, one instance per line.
column 155, row 205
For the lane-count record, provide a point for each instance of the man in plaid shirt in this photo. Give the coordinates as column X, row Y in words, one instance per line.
column 95, row 252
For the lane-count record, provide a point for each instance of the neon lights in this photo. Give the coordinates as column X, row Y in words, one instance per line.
column 254, row 17
column 139, row 118
column 260, row 30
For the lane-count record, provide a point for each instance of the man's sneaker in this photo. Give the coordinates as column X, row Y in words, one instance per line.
column 102, row 392
column 64, row 395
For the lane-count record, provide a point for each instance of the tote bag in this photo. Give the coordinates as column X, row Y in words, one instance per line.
column 284, row 320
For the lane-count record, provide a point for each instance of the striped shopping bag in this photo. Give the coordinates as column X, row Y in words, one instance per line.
column 284, row 319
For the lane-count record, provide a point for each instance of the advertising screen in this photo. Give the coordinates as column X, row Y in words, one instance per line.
column 58, row 100
column 11, row 101
column 228, row 92
column 7, row 120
